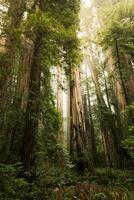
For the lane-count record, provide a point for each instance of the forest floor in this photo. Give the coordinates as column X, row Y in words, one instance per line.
column 67, row 184
column 102, row 184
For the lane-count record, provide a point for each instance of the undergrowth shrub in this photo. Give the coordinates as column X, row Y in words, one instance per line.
column 11, row 186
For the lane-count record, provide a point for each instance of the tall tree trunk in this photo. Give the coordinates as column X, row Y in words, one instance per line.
column 107, row 147
column 91, row 130
column 19, row 104
column 121, row 74
column 77, row 126
column 8, row 79
column 60, row 100
column 108, row 119
column 15, row 14
column 32, row 111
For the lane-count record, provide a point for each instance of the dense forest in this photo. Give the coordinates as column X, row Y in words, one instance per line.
column 66, row 99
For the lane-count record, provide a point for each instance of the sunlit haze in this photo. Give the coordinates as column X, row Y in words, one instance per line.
column 88, row 2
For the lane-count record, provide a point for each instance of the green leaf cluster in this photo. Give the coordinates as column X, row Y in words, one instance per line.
column 118, row 25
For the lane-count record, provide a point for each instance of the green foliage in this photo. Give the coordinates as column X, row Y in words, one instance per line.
column 55, row 32
column 99, row 196
column 42, row 22
column 11, row 186
column 59, row 46
column 55, row 181
column 118, row 25
column 128, row 144
column 113, row 178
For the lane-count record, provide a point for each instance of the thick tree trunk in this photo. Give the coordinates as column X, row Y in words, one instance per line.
column 121, row 74
column 117, row 89
column 77, row 126
column 19, row 104
column 32, row 110
column 107, row 147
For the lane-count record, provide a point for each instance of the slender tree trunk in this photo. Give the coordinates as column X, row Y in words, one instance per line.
column 91, row 130
column 60, row 100
column 15, row 19
column 108, row 119
column 106, row 89
column 8, row 79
